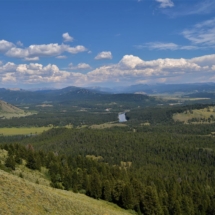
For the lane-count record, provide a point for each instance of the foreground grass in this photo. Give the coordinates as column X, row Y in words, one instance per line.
column 19, row 196
column 23, row 130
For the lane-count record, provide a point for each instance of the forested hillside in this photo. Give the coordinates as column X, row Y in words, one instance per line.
column 160, row 161
column 152, row 173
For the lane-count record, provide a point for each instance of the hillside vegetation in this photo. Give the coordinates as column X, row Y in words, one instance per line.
column 163, row 173
column 27, row 191
column 19, row 196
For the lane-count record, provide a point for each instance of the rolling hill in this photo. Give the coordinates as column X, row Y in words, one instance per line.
column 8, row 108
column 8, row 111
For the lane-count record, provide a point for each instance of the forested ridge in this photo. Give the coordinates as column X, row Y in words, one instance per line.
column 150, row 172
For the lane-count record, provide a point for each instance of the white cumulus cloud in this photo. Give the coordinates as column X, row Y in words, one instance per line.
column 79, row 66
column 32, row 58
column 8, row 77
column 44, row 50
column 67, row 37
column 129, row 70
column 83, row 66
column 5, row 45
column 76, row 49
column 104, row 55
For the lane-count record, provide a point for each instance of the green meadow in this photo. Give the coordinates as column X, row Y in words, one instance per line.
column 23, row 130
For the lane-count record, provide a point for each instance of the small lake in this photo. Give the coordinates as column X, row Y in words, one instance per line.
column 122, row 117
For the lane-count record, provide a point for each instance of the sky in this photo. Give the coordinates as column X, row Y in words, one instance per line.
column 106, row 43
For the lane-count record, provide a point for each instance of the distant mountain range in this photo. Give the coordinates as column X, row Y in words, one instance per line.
column 27, row 96
column 161, row 88
column 73, row 93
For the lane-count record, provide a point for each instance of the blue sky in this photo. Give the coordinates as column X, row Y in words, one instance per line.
column 54, row 43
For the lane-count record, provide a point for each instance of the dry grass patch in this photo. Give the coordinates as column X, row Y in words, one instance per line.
column 108, row 125
column 200, row 114
column 22, row 130
column 145, row 124
column 35, row 176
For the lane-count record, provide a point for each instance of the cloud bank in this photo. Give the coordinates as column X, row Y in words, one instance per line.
column 130, row 69
column 34, row 52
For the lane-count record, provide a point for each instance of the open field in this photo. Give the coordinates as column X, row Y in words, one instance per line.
column 200, row 115
column 19, row 196
column 23, row 130
column 176, row 96
column 108, row 125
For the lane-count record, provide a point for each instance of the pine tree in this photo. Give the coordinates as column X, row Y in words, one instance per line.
column 150, row 203
column 176, row 208
column 95, row 185
column 137, row 192
column 117, row 191
column 18, row 159
column 127, row 197
column 187, row 206
column 75, row 181
column 10, row 162
column 85, row 184
column 32, row 162
column 106, row 191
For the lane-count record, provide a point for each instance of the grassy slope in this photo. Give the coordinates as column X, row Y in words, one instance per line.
column 5, row 107
column 18, row 196
column 8, row 111
column 22, row 196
